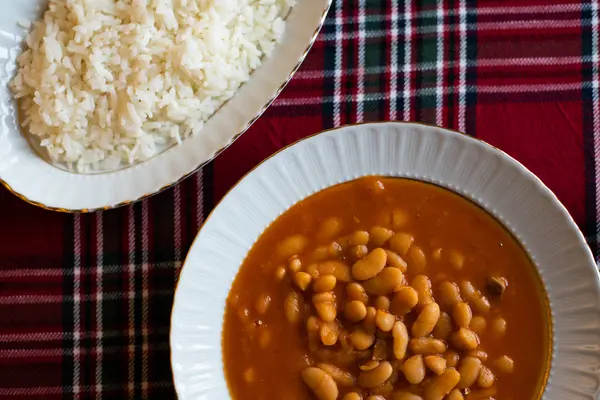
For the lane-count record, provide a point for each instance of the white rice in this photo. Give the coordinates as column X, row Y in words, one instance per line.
column 104, row 83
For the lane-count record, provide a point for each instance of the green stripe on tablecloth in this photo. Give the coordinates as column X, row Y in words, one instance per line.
column 471, row 66
column 592, row 225
column 329, row 64
column 376, row 54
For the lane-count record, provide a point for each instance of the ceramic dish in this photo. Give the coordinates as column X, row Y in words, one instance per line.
column 465, row 165
column 33, row 179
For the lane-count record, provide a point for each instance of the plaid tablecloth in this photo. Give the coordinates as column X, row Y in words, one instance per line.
column 85, row 300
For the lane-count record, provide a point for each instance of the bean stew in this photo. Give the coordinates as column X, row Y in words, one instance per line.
column 386, row 289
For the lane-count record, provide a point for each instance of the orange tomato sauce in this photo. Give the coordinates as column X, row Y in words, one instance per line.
column 264, row 354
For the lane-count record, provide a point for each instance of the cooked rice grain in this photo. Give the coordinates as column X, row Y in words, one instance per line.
column 109, row 82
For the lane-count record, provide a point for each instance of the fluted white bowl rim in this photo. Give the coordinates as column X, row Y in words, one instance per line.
column 472, row 168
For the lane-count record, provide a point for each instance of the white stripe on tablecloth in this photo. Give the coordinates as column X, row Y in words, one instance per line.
column 145, row 297
column 394, row 60
column 439, row 84
column 462, row 72
column 62, row 335
column 500, row 10
column 478, row 27
column 57, row 390
column 361, row 62
column 36, row 272
column 131, row 304
column 433, row 66
column 60, row 351
column 537, row 9
column 407, row 59
column 57, row 298
column 76, row 300
column 99, row 293
column 506, row 89
column 596, row 111
column 337, row 83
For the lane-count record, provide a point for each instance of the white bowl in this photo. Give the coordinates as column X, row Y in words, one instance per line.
column 35, row 180
column 458, row 162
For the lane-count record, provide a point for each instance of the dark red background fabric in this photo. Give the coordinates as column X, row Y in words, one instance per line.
column 85, row 300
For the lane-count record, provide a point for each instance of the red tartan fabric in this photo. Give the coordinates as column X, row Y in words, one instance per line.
column 85, row 300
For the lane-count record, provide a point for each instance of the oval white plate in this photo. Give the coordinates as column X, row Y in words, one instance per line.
column 485, row 175
column 33, row 179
